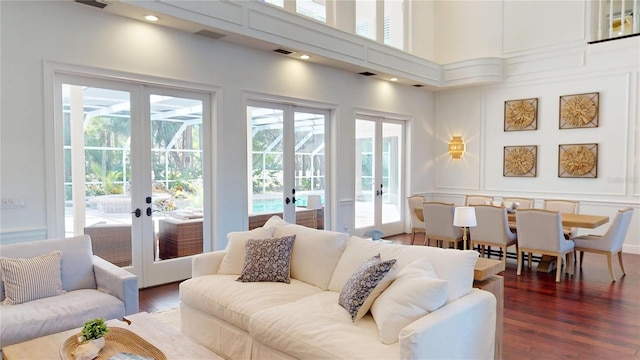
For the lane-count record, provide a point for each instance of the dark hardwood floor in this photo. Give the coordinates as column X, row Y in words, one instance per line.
column 582, row 317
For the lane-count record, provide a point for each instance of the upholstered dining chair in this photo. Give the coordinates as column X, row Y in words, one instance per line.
column 540, row 232
column 438, row 220
column 523, row 203
column 492, row 229
column 608, row 244
column 417, row 224
column 567, row 207
column 477, row 200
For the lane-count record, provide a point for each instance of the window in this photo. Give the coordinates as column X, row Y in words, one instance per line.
column 315, row 9
column 394, row 23
column 366, row 18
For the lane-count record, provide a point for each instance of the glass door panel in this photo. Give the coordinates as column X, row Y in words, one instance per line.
column 310, row 169
column 365, row 174
column 96, row 133
column 176, row 176
column 266, row 161
column 391, row 176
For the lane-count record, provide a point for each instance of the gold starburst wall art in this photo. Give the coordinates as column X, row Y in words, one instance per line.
column 579, row 111
column 520, row 161
column 521, row 114
column 578, row 160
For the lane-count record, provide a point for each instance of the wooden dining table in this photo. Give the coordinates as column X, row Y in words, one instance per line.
column 568, row 220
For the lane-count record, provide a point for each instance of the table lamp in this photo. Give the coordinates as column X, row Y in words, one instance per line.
column 464, row 217
column 314, row 203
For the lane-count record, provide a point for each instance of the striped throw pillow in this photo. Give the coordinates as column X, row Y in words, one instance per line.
column 31, row 279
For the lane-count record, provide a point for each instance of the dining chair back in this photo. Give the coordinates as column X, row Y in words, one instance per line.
column 438, row 219
column 492, row 229
column 608, row 244
column 540, row 232
column 523, row 203
column 415, row 209
column 477, row 200
column 567, row 207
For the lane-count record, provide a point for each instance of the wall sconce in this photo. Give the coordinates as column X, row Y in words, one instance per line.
column 456, row 147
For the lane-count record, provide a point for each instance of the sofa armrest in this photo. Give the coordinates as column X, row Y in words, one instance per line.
column 118, row 282
column 470, row 320
column 207, row 263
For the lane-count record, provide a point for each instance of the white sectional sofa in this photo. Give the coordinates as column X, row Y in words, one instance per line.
column 91, row 288
column 429, row 311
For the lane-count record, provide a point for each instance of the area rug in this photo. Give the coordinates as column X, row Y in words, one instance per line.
column 170, row 317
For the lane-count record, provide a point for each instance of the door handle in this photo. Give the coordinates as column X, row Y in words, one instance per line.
column 149, row 211
column 138, row 212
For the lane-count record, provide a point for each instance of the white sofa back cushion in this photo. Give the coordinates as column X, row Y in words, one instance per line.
column 414, row 293
column 454, row 266
column 315, row 252
column 233, row 261
column 77, row 263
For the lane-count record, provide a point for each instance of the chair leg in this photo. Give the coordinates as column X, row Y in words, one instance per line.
column 620, row 261
column 530, row 259
column 519, row 263
column 559, row 268
column 609, row 262
column 571, row 266
column 581, row 257
column 413, row 236
column 504, row 259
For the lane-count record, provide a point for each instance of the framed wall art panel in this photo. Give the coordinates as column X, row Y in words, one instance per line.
column 578, row 160
column 520, row 161
column 579, row 111
column 521, row 114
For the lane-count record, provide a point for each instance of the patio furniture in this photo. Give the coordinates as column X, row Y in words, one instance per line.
column 177, row 237
column 111, row 242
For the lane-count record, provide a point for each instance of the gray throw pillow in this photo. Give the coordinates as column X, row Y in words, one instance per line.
column 268, row 260
column 31, row 279
column 365, row 284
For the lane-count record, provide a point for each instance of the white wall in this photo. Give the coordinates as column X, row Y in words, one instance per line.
column 70, row 33
column 611, row 69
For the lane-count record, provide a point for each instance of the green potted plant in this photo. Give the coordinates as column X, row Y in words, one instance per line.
column 95, row 330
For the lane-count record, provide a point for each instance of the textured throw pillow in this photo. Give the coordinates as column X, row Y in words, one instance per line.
column 233, row 261
column 31, row 279
column 365, row 284
column 414, row 293
column 268, row 260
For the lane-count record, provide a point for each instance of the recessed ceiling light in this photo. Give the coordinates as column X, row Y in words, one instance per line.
column 151, row 18
column 305, row 57
column 394, row 79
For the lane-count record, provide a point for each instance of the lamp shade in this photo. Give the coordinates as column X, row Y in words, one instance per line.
column 314, row 202
column 464, row 216
column 456, row 147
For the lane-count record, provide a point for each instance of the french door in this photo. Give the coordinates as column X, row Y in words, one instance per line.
column 379, row 147
column 286, row 163
column 133, row 161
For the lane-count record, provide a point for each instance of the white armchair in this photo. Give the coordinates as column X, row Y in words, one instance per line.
column 93, row 287
column 608, row 244
column 492, row 229
column 540, row 232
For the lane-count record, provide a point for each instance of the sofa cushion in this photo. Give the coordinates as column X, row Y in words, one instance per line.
column 54, row 314
column 414, row 293
column 233, row 261
column 365, row 284
column 316, row 327
column 31, row 279
column 456, row 267
column 76, row 264
column 268, row 260
column 315, row 252
column 234, row 302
